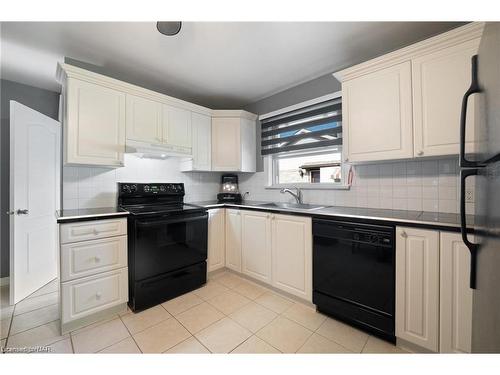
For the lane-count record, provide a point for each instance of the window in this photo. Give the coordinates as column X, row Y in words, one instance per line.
column 304, row 146
column 307, row 167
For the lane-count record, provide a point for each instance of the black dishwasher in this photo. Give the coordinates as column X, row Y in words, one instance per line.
column 353, row 274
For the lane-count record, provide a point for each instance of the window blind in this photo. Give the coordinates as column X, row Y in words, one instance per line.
column 312, row 127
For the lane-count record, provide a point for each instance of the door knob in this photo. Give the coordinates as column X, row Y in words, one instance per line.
column 420, row 153
column 10, row 212
column 22, row 212
column 403, row 234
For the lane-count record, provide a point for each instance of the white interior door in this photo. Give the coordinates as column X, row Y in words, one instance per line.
column 35, row 167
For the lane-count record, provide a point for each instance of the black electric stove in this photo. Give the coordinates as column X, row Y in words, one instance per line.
column 167, row 242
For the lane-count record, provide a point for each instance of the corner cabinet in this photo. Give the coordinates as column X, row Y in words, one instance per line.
column 292, row 255
column 417, row 287
column 94, row 124
column 407, row 104
column 377, row 110
column 234, row 141
column 216, row 240
column 201, row 139
column 256, row 245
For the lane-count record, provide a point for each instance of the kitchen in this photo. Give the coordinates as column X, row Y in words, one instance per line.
column 341, row 214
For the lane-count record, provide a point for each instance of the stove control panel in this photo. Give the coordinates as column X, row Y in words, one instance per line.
column 150, row 189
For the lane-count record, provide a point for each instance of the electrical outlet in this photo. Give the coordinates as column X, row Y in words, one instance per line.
column 469, row 195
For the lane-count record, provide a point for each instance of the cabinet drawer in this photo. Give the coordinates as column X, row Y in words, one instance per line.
column 87, row 258
column 92, row 294
column 90, row 230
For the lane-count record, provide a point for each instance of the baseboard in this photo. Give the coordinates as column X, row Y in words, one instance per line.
column 4, row 281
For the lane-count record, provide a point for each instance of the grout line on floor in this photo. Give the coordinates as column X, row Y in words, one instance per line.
column 17, row 333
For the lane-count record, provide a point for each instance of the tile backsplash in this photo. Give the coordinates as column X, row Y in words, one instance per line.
column 89, row 187
column 429, row 185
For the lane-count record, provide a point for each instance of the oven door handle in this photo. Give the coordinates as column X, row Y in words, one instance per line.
column 172, row 221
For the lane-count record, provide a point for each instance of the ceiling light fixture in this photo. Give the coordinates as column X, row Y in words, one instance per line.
column 169, row 28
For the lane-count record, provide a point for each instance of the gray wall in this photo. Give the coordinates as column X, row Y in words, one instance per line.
column 44, row 101
column 312, row 89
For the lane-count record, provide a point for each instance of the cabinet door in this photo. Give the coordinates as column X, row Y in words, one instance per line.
column 455, row 296
column 233, row 240
column 202, row 142
column 95, row 124
column 417, row 286
column 216, row 240
column 292, row 255
column 177, row 127
column 256, row 245
column 248, row 145
column 377, row 115
column 226, row 148
column 440, row 80
column 143, row 120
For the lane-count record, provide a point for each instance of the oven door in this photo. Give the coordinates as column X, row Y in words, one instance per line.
column 166, row 244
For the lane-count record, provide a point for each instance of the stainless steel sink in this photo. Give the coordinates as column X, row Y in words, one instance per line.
column 291, row 206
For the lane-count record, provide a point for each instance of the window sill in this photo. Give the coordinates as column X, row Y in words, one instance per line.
column 310, row 186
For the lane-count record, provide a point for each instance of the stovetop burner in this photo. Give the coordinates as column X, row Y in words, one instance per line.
column 154, row 198
column 160, row 209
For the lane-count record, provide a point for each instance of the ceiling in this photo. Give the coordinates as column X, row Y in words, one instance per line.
column 216, row 64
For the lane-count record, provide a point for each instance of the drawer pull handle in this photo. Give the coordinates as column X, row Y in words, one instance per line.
column 98, row 295
column 97, row 259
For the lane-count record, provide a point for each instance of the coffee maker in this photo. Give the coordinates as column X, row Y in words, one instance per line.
column 229, row 191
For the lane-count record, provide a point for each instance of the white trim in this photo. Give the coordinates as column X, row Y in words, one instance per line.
column 4, row 281
column 307, row 103
column 234, row 113
column 456, row 36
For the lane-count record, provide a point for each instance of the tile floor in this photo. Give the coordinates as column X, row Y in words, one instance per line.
column 227, row 315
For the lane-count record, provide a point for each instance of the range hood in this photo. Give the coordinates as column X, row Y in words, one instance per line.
column 157, row 151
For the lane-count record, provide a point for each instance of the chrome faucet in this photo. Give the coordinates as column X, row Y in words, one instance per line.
column 297, row 196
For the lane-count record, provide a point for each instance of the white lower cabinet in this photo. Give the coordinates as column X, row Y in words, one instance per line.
column 417, row 287
column 256, row 245
column 233, row 239
column 93, row 269
column 274, row 249
column 455, row 313
column 93, row 294
column 216, row 240
column 292, row 255
column 433, row 297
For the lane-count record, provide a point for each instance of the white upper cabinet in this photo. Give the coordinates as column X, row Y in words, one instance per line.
column 234, row 141
column 94, row 124
column 201, row 141
column 377, row 115
column 455, row 329
column 226, row 148
column 177, row 128
column 417, row 287
column 440, row 80
column 256, row 245
column 144, row 122
column 407, row 103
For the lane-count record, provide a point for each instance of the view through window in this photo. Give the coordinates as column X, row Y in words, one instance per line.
column 308, row 168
